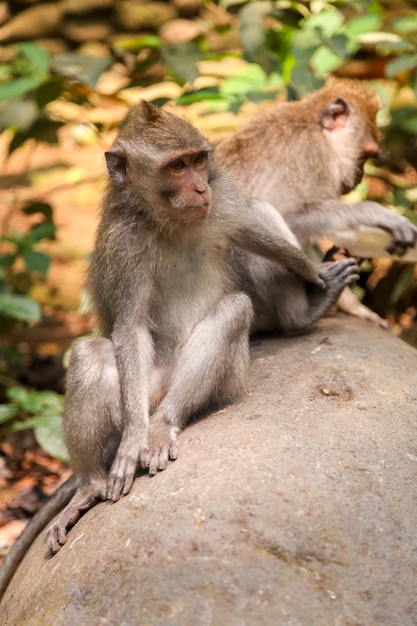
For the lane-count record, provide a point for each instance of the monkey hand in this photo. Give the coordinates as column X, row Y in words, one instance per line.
column 122, row 473
column 163, row 445
column 404, row 236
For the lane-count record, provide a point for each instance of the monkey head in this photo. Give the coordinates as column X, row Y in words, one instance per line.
column 348, row 119
column 162, row 164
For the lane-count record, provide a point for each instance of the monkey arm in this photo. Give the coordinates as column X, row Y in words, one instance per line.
column 261, row 230
column 133, row 348
column 333, row 217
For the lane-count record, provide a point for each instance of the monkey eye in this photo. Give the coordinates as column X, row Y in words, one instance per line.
column 177, row 165
column 201, row 157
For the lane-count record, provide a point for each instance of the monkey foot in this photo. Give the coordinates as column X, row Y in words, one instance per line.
column 163, row 446
column 84, row 499
column 339, row 274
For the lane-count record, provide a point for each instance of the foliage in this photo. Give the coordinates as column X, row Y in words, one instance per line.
column 14, row 282
column 39, row 410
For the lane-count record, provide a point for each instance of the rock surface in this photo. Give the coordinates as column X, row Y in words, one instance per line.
column 295, row 507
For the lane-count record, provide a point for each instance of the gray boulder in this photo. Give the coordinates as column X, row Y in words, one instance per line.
column 294, row 507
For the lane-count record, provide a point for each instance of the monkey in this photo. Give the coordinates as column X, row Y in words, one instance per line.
column 301, row 156
column 174, row 317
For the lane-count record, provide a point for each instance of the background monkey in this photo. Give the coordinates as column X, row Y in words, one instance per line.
column 300, row 157
column 174, row 319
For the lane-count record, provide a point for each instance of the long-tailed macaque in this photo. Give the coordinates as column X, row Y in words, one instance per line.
column 173, row 316
column 300, row 157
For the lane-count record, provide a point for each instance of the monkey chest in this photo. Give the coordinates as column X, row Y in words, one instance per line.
column 188, row 284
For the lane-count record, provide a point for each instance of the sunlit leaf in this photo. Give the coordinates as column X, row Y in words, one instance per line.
column 7, row 412
column 405, row 24
column 251, row 78
column 19, row 307
column 37, row 57
column 18, row 87
column 401, row 64
column 200, row 95
column 18, row 395
column 137, row 43
column 49, row 435
column 327, row 21
column 363, row 24
column 324, row 61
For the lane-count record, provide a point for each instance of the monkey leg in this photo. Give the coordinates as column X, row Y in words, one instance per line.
column 285, row 303
column 92, row 413
column 210, row 370
column 84, row 499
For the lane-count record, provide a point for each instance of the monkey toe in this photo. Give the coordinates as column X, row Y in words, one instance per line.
column 159, row 461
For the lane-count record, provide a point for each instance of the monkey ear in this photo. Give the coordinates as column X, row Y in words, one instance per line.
column 150, row 111
column 335, row 114
column 116, row 165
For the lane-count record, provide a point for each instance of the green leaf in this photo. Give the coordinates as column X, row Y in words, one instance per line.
column 19, row 87
column 19, row 308
column 200, row 95
column 42, row 402
column 7, row 412
column 49, row 91
column 341, row 45
column 252, row 78
column 45, row 230
column 37, row 57
column 324, row 61
column 401, row 64
column 405, row 24
column 303, row 80
column 138, row 43
column 7, row 260
column 49, row 435
column 328, row 21
column 18, row 395
column 85, row 69
column 36, row 261
column 364, row 24
column 405, row 120
column 253, row 33
column 182, row 60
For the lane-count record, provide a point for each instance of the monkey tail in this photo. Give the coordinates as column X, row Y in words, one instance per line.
column 57, row 502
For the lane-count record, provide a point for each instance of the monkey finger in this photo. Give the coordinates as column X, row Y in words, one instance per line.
column 173, row 450
column 52, row 540
column 159, row 460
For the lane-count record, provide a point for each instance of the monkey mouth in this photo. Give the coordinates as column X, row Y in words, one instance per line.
column 197, row 207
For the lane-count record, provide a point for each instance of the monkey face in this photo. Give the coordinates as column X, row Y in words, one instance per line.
column 185, row 189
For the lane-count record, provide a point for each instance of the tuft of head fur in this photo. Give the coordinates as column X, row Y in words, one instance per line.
column 152, row 127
